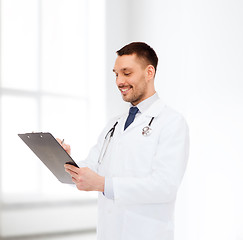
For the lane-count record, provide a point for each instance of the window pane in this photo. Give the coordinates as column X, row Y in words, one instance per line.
column 45, row 47
column 19, row 43
column 64, row 47
column 19, row 164
column 65, row 118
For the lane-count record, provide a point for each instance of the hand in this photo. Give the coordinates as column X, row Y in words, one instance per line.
column 66, row 147
column 85, row 179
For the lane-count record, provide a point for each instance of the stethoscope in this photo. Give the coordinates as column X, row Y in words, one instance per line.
column 146, row 131
column 106, row 143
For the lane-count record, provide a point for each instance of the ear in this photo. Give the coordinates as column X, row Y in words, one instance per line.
column 150, row 72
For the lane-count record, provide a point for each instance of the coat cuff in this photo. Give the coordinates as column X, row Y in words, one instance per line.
column 109, row 191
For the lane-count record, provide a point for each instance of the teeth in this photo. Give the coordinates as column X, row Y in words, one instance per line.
column 123, row 90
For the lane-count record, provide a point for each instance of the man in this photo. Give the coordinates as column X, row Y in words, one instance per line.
column 139, row 160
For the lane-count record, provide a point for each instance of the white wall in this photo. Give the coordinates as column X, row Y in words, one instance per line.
column 116, row 37
column 199, row 44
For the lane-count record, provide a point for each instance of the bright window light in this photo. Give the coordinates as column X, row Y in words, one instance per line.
column 45, row 87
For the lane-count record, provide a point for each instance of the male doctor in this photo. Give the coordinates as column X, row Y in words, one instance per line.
column 140, row 158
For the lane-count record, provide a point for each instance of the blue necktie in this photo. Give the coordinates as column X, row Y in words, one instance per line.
column 132, row 112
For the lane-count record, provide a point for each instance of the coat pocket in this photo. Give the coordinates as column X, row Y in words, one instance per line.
column 144, row 228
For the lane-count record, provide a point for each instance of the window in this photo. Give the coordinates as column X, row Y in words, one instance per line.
column 45, row 86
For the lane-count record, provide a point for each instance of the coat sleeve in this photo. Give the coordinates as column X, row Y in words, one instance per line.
column 168, row 167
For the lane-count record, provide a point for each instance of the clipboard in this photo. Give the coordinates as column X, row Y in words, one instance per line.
column 51, row 153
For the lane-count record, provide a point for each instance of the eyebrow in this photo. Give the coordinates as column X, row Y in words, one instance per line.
column 123, row 69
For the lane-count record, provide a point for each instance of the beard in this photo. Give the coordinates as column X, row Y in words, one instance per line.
column 136, row 95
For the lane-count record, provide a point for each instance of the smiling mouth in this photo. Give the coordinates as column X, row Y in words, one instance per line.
column 125, row 90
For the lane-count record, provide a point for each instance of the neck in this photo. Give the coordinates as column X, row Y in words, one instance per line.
column 144, row 98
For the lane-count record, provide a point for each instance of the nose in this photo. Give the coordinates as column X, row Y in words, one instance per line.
column 119, row 80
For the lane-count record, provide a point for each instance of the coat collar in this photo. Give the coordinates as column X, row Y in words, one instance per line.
column 145, row 104
column 153, row 111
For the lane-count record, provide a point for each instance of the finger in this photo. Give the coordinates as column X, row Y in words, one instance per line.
column 74, row 180
column 73, row 174
column 71, row 168
column 70, row 171
column 65, row 146
column 78, row 185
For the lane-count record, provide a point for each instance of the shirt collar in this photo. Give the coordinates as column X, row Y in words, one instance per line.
column 145, row 104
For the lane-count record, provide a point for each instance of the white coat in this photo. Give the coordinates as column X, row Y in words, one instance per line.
column 146, row 173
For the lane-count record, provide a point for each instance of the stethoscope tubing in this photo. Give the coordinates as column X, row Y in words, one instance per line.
column 145, row 132
column 102, row 153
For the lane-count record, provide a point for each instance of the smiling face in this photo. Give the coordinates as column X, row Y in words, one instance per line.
column 134, row 78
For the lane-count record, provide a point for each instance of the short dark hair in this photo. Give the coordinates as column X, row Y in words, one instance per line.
column 142, row 50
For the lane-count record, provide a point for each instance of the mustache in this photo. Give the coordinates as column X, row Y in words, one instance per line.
column 122, row 86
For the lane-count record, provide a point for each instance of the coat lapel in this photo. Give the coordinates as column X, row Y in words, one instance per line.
column 153, row 111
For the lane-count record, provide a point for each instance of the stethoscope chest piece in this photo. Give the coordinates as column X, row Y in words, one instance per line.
column 146, row 131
